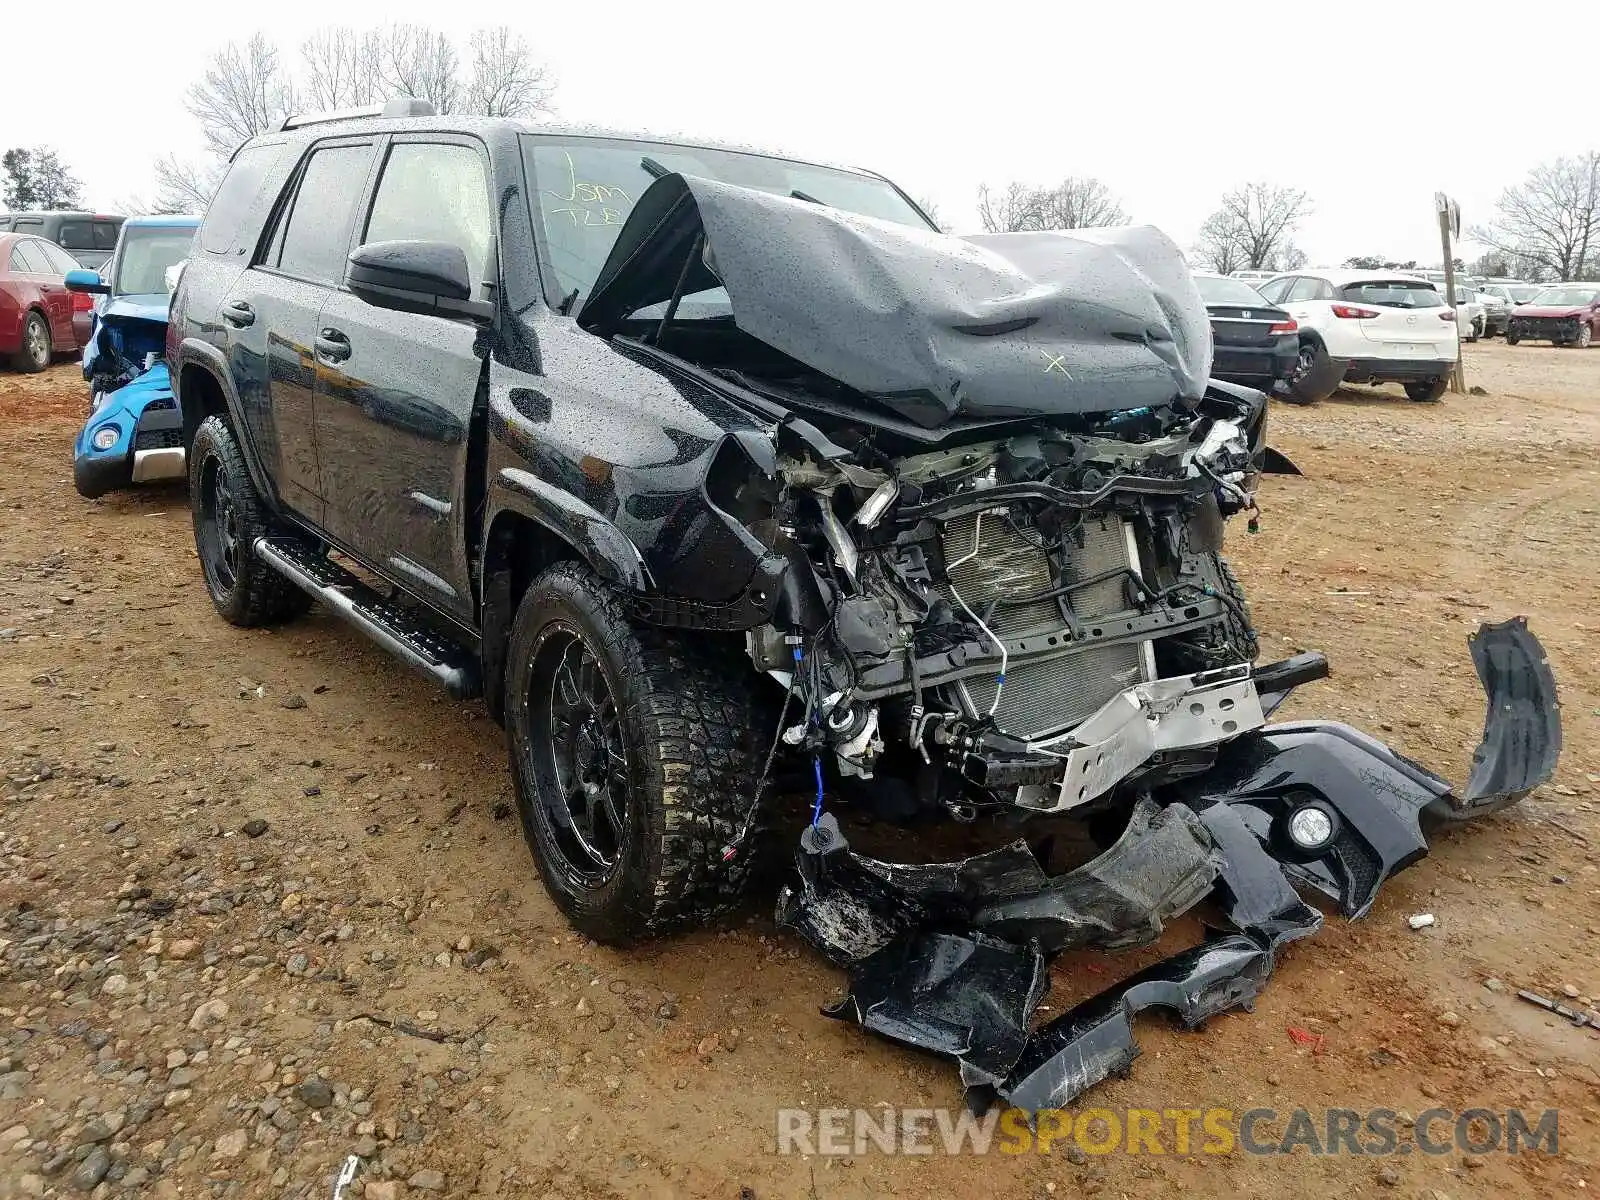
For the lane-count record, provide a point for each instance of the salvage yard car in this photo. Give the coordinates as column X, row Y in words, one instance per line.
column 1255, row 343
column 706, row 465
column 39, row 317
column 1367, row 327
column 133, row 433
column 1566, row 314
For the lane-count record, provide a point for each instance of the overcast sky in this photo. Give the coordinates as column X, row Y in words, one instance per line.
column 1370, row 108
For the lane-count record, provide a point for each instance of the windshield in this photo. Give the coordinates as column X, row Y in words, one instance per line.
column 1393, row 293
column 146, row 254
column 1216, row 289
column 1565, row 297
column 1521, row 295
column 584, row 189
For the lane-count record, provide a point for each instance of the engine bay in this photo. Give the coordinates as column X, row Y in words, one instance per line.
column 960, row 612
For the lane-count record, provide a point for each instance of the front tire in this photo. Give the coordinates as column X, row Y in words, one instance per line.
column 36, row 347
column 1428, row 391
column 1585, row 337
column 635, row 758
column 1511, row 338
column 228, row 518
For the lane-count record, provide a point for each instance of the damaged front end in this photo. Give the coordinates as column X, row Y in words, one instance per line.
column 134, row 431
column 952, row 957
column 980, row 486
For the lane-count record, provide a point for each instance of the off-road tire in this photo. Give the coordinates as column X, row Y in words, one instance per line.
column 34, row 356
column 693, row 744
column 1315, row 377
column 1428, row 391
column 257, row 595
column 1241, row 631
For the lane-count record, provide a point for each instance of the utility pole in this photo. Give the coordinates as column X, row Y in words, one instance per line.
column 1450, row 224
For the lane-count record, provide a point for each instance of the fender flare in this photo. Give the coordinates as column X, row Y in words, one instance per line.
column 195, row 352
column 605, row 548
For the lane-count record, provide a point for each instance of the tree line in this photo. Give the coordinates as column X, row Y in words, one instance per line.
column 250, row 87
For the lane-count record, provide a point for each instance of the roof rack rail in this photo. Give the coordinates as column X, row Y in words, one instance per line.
column 400, row 106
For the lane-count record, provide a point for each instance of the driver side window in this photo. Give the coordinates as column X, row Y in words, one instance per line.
column 436, row 192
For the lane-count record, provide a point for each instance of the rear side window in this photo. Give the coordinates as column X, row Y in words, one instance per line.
column 1392, row 293
column 60, row 261
column 1306, row 288
column 317, row 235
column 237, row 196
column 34, row 263
column 434, row 193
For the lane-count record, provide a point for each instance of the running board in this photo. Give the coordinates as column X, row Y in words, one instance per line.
column 391, row 625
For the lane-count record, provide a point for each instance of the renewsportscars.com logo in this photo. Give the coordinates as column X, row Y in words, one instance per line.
column 1375, row 1132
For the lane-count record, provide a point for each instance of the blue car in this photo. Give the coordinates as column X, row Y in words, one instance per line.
column 134, row 432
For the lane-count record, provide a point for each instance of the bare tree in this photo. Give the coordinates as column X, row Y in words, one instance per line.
column 927, row 204
column 342, row 67
column 504, row 80
column 1552, row 219
column 1077, row 202
column 421, row 62
column 1218, row 247
column 1252, row 228
column 187, row 187
column 244, row 92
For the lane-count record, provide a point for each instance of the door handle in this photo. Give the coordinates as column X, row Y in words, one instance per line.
column 238, row 314
column 332, row 346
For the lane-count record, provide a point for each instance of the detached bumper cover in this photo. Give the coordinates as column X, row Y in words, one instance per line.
column 952, row 957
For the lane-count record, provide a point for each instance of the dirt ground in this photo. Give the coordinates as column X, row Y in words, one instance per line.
column 222, row 851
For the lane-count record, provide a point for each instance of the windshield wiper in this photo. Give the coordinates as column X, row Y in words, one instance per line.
column 567, row 301
column 808, row 198
column 652, row 168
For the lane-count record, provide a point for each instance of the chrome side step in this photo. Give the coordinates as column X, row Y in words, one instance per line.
column 391, row 625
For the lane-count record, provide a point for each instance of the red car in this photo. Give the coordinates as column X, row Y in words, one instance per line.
column 1567, row 314
column 38, row 316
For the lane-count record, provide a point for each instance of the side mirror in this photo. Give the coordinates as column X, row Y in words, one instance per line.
column 83, row 280
column 416, row 276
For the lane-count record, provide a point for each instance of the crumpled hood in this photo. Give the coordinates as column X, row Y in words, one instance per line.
column 930, row 325
column 136, row 308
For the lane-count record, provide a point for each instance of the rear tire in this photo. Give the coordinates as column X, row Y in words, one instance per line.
column 1428, row 391
column 635, row 754
column 36, row 346
column 228, row 518
column 1315, row 376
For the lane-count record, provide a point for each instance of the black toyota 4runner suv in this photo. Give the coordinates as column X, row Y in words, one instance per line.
column 701, row 465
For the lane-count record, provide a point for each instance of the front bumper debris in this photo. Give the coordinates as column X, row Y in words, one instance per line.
column 953, row 957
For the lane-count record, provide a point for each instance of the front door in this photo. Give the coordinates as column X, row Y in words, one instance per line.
column 270, row 315
column 396, row 390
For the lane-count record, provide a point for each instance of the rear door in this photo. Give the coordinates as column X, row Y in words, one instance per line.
column 269, row 315
column 1402, row 319
column 53, row 292
column 80, row 305
column 396, row 390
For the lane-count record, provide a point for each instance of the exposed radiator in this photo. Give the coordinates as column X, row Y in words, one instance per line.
column 1051, row 694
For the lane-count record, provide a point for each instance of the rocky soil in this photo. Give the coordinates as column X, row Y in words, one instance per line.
column 262, row 907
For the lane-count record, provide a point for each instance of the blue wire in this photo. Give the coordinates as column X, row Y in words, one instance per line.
column 816, row 812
